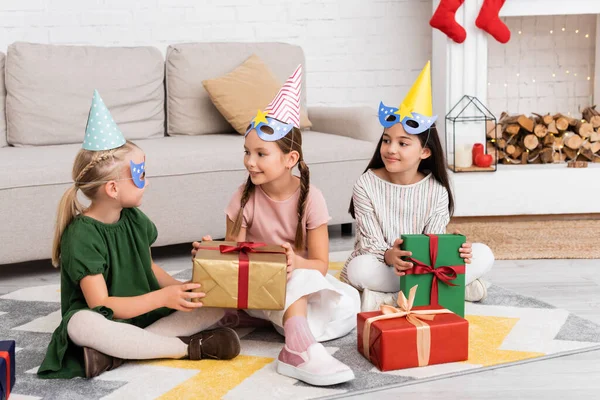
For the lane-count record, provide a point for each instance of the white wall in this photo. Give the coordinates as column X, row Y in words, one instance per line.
column 357, row 51
column 529, row 73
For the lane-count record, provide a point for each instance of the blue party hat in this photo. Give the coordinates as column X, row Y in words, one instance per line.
column 101, row 131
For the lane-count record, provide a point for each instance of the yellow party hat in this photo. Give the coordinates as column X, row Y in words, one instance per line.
column 415, row 111
column 418, row 98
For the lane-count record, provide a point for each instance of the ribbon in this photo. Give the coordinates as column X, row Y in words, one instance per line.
column 243, row 248
column 416, row 318
column 443, row 273
column 6, row 356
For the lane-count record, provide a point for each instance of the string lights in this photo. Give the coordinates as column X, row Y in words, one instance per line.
column 557, row 74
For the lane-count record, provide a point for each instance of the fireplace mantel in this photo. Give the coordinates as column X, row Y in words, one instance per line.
column 527, row 190
column 459, row 69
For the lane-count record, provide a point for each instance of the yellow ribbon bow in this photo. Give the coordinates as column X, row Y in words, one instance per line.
column 416, row 318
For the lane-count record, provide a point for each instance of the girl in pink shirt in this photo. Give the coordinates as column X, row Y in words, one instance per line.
column 275, row 206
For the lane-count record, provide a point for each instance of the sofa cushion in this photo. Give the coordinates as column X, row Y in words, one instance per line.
column 190, row 110
column 191, row 179
column 2, row 103
column 241, row 92
column 169, row 156
column 211, row 153
column 49, row 91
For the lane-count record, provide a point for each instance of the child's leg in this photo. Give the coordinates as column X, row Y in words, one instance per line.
column 366, row 272
column 121, row 340
column 242, row 319
column 481, row 263
column 298, row 336
column 159, row 340
column 303, row 357
column 182, row 323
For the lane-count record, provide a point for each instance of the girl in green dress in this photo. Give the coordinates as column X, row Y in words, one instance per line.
column 116, row 303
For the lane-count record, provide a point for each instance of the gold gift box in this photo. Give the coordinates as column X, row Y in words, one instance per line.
column 218, row 274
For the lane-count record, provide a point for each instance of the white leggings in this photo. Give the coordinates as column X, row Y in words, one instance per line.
column 159, row 340
column 366, row 272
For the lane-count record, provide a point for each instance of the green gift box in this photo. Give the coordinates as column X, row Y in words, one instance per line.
column 439, row 270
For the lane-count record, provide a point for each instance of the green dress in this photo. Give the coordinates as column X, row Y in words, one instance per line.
column 121, row 253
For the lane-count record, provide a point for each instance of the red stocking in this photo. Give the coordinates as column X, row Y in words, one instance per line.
column 444, row 20
column 489, row 21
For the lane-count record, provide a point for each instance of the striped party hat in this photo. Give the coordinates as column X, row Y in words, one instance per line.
column 101, row 131
column 286, row 105
column 282, row 113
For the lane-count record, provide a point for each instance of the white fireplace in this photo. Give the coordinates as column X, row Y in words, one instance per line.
column 459, row 69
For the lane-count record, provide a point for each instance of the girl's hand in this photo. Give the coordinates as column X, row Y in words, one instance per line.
column 196, row 245
column 393, row 257
column 465, row 250
column 290, row 255
column 177, row 297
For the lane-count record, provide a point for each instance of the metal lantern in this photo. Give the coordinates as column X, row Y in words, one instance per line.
column 467, row 126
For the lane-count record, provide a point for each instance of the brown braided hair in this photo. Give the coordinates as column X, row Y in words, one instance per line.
column 248, row 191
column 91, row 170
column 290, row 142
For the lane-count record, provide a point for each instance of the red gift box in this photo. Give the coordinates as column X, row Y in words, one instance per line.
column 7, row 367
column 407, row 337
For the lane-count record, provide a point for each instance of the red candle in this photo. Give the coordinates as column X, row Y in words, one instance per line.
column 477, row 150
column 484, row 160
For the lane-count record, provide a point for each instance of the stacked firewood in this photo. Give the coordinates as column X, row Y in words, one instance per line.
column 543, row 139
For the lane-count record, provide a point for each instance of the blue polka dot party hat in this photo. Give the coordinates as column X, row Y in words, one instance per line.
column 101, row 132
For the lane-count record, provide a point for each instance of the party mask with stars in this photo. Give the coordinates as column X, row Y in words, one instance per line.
column 413, row 122
column 282, row 113
column 138, row 174
column 267, row 128
column 415, row 111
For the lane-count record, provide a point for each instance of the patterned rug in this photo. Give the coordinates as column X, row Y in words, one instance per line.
column 507, row 328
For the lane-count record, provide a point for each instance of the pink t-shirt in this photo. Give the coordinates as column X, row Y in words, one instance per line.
column 275, row 222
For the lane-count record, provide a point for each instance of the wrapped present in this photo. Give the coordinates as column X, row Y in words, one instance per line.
column 7, row 367
column 438, row 269
column 242, row 275
column 407, row 337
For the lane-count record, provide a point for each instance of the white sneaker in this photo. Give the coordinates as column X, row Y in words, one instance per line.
column 476, row 291
column 314, row 366
column 371, row 300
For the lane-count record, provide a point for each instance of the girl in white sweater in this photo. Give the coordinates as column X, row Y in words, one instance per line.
column 404, row 190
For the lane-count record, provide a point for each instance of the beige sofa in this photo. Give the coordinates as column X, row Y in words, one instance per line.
column 194, row 160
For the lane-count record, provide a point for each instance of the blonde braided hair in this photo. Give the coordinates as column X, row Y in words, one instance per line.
column 91, row 170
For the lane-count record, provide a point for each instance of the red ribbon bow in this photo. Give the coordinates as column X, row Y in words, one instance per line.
column 242, row 247
column 443, row 273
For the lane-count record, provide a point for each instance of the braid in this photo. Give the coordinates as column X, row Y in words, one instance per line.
column 248, row 191
column 88, row 175
column 304, row 189
column 95, row 161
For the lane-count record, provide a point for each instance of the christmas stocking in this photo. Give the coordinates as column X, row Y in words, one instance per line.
column 489, row 21
column 443, row 19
